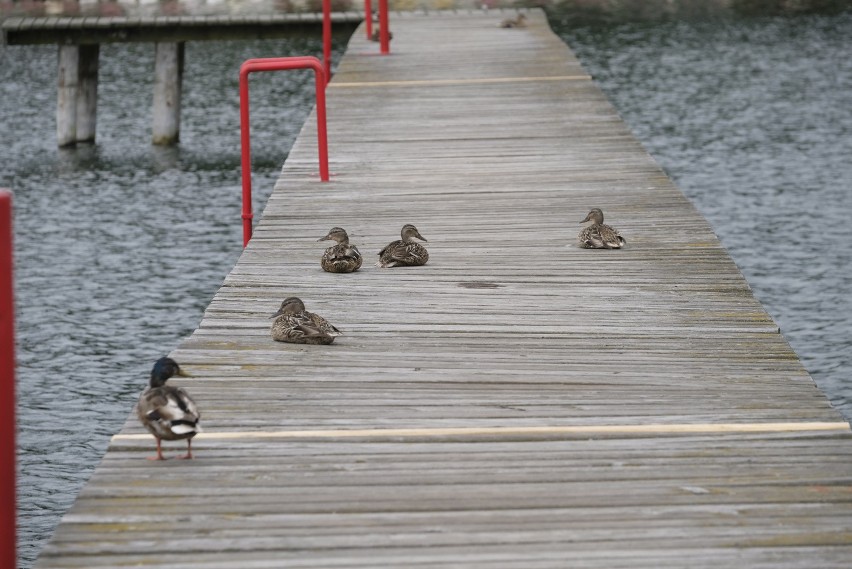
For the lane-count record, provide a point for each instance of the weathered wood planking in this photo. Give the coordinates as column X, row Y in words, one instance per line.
column 475, row 378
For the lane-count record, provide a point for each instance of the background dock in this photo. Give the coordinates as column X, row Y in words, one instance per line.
column 517, row 402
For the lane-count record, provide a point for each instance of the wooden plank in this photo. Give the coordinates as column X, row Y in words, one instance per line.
column 517, row 402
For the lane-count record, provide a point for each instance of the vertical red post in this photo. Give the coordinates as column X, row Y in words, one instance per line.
column 368, row 18
column 278, row 64
column 326, row 38
column 384, row 33
column 245, row 159
column 8, row 508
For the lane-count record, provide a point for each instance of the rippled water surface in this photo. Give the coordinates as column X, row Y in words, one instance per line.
column 120, row 246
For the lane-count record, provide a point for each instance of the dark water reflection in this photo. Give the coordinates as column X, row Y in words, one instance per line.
column 121, row 245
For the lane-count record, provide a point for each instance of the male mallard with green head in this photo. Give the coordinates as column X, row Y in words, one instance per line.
column 598, row 235
column 404, row 252
column 168, row 412
column 296, row 325
column 340, row 258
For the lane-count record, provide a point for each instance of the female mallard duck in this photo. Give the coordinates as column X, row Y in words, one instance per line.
column 168, row 412
column 598, row 235
column 340, row 258
column 519, row 22
column 404, row 252
column 296, row 325
column 377, row 35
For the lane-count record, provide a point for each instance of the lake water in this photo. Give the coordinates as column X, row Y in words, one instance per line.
column 120, row 246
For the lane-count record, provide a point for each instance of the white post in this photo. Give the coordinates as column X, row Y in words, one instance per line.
column 87, row 95
column 168, row 73
column 66, row 96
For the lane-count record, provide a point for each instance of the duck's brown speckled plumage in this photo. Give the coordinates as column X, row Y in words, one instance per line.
column 519, row 22
column 404, row 252
column 376, row 35
column 342, row 257
column 296, row 325
column 599, row 235
column 168, row 412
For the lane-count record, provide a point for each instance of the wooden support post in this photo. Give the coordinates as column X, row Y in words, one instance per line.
column 87, row 94
column 168, row 74
column 66, row 97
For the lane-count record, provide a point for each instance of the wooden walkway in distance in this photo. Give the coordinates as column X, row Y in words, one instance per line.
column 517, row 402
column 69, row 30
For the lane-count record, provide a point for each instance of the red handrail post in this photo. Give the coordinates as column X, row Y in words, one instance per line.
column 326, row 38
column 368, row 18
column 8, row 527
column 277, row 64
column 384, row 30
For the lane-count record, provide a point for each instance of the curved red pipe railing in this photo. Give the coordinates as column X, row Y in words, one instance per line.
column 7, row 388
column 277, row 64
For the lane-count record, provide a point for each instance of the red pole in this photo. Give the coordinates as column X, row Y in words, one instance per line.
column 7, row 399
column 322, row 132
column 326, row 38
column 245, row 161
column 278, row 64
column 384, row 33
column 368, row 18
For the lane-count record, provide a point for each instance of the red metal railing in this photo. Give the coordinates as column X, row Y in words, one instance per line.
column 384, row 30
column 368, row 18
column 326, row 38
column 277, row 64
column 7, row 388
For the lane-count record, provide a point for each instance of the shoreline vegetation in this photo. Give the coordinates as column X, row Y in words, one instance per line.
column 580, row 11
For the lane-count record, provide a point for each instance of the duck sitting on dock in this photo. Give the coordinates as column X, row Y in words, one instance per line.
column 404, row 252
column 376, row 35
column 598, row 235
column 168, row 412
column 519, row 22
column 340, row 258
column 296, row 325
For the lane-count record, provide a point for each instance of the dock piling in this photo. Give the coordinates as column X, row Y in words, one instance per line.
column 77, row 94
column 168, row 76
column 66, row 95
column 87, row 93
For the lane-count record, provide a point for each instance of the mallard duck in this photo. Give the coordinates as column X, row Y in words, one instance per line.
column 296, row 325
column 598, row 235
column 519, row 22
column 340, row 258
column 376, row 35
column 168, row 412
column 404, row 252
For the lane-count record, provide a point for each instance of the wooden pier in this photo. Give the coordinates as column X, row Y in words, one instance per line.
column 517, row 402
